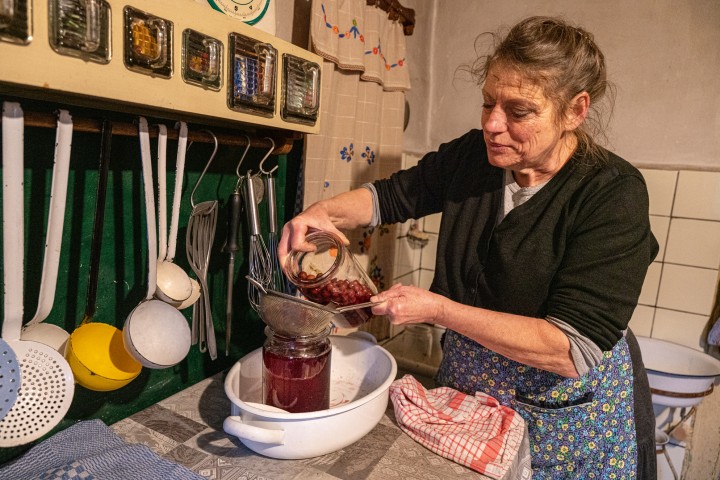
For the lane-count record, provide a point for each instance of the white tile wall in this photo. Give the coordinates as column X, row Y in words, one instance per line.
column 407, row 254
column 688, row 289
column 649, row 293
column 679, row 327
column 679, row 292
column 410, row 278
column 698, row 195
column 429, row 253
column 661, row 188
column 693, row 242
column 426, row 278
column 432, row 223
column 641, row 322
column 660, row 226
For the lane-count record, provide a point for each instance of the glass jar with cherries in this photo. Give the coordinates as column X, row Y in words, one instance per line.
column 331, row 275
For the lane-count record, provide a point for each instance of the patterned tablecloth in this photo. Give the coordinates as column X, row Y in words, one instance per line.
column 187, row 428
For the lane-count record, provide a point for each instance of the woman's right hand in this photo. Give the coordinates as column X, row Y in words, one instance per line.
column 346, row 210
column 315, row 217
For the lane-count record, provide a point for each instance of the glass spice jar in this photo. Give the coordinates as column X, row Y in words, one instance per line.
column 296, row 371
column 331, row 275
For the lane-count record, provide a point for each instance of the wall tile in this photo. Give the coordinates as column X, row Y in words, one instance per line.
column 336, row 187
column 698, row 195
column 694, row 242
column 432, row 223
column 407, row 257
column 688, row 289
column 410, row 278
column 660, row 226
column 429, row 252
column 678, row 327
column 649, row 292
column 642, row 320
column 426, row 278
column 362, row 172
column 313, row 192
column 388, row 166
column 409, row 160
column 661, row 189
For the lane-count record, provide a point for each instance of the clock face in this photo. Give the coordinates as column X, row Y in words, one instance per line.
column 249, row 11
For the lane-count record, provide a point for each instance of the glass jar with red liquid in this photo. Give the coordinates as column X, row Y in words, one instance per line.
column 296, row 371
column 331, row 275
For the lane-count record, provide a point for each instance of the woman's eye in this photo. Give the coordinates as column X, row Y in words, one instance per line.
column 520, row 113
column 488, row 106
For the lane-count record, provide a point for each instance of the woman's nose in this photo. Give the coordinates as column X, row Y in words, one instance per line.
column 495, row 121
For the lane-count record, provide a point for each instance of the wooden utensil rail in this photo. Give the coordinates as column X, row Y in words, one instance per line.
column 282, row 139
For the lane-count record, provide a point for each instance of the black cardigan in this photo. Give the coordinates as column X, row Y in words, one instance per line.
column 578, row 250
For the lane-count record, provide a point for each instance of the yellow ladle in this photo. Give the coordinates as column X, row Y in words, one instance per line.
column 95, row 351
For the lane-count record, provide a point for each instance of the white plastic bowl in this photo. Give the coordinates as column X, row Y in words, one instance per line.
column 679, row 376
column 361, row 374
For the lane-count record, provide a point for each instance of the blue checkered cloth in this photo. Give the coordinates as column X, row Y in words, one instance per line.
column 89, row 450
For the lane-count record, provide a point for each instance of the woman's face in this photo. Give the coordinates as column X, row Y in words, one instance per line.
column 521, row 129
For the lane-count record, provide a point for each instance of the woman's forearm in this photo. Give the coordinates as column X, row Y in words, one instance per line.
column 531, row 341
column 349, row 209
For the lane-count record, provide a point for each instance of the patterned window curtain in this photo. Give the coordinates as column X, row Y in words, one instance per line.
column 364, row 78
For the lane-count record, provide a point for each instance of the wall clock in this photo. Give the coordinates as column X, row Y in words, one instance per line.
column 258, row 13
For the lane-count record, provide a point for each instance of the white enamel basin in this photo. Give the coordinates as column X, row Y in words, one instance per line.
column 679, row 376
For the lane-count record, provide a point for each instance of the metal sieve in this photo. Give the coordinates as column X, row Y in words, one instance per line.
column 292, row 316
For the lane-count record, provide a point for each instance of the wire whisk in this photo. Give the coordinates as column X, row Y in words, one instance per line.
column 259, row 266
column 277, row 277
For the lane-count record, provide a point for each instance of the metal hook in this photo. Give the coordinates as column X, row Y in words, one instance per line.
column 262, row 162
column 237, row 169
column 202, row 174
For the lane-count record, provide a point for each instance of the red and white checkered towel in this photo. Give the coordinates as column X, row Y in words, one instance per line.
column 475, row 431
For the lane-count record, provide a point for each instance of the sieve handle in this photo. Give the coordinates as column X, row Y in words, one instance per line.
column 256, row 283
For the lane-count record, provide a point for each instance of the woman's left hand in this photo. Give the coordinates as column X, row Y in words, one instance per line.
column 408, row 304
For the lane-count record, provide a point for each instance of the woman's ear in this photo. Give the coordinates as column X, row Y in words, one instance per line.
column 577, row 110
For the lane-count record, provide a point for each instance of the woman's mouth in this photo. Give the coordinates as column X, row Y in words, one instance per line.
column 498, row 147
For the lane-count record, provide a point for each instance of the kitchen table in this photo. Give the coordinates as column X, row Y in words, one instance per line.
column 187, row 428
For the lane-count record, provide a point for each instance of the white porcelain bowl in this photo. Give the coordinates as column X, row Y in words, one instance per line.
column 679, row 376
column 360, row 378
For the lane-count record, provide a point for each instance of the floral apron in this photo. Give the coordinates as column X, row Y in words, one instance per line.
column 579, row 428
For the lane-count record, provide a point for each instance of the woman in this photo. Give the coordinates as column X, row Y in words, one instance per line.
column 543, row 248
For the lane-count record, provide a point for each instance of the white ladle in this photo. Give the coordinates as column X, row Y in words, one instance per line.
column 175, row 219
column 47, row 333
column 47, row 384
column 155, row 333
column 173, row 283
